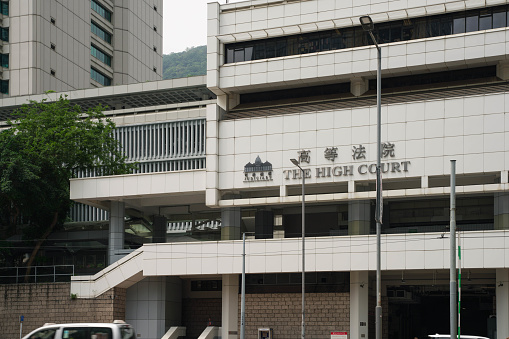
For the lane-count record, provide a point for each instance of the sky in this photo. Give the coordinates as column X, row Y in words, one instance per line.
column 185, row 23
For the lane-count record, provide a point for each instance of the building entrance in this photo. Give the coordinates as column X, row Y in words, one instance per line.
column 418, row 311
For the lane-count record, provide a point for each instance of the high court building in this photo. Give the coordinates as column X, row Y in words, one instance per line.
column 297, row 80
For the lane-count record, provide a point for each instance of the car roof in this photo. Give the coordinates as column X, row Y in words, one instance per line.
column 462, row 336
column 50, row 325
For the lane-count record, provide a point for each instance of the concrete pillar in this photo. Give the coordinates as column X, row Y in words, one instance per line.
column 359, row 305
column 145, row 307
column 230, row 223
column 503, row 70
column 116, row 232
column 173, row 307
column 159, row 228
column 359, row 86
column 501, row 211
column 264, row 225
column 230, row 306
column 502, row 302
column 359, row 217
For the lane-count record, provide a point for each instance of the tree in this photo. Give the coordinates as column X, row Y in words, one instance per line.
column 45, row 146
column 191, row 62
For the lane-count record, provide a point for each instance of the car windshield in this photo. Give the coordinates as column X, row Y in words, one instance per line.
column 48, row 333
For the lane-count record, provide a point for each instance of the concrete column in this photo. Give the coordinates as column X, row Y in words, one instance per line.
column 145, row 307
column 502, row 302
column 230, row 306
column 159, row 227
column 359, row 217
column 359, row 305
column 230, row 223
column 503, row 70
column 359, row 86
column 501, row 211
column 173, row 309
column 116, row 234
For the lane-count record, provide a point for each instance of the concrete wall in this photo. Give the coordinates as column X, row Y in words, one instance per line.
column 43, row 303
column 325, row 312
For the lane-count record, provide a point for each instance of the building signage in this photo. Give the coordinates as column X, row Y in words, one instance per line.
column 358, row 153
column 339, row 335
column 258, row 171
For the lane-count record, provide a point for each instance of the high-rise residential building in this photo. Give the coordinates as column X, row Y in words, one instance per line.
column 75, row 44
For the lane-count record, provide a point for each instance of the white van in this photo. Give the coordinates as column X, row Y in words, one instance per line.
column 116, row 330
column 462, row 336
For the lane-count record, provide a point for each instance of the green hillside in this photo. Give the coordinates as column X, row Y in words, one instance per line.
column 191, row 62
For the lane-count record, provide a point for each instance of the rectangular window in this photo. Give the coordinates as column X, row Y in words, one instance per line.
column 99, row 77
column 485, row 20
column 499, row 19
column 459, row 25
column 99, row 54
column 4, row 86
column 4, row 7
column 101, row 33
column 472, row 23
column 101, row 10
column 4, row 33
column 4, row 60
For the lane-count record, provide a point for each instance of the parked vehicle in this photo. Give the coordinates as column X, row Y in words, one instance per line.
column 462, row 336
column 116, row 330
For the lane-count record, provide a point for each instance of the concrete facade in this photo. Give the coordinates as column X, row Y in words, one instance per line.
column 49, row 44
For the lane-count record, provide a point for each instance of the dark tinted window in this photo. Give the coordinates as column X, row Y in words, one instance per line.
column 472, row 23
column 4, row 86
column 4, row 7
column 4, row 60
column 485, row 20
column 402, row 30
column 499, row 19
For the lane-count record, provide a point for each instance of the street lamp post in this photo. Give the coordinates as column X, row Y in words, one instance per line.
column 296, row 163
column 367, row 25
column 243, row 291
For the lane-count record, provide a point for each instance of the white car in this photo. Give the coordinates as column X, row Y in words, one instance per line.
column 462, row 336
column 116, row 330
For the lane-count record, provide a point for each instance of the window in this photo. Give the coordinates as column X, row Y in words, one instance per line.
column 99, row 54
column 99, row 77
column 401, row 30
column 4, row 7
column 99, row 9
column 86, row 332
column 4, row 33
column 4, row 59
column 101, row 33
column 4, row 86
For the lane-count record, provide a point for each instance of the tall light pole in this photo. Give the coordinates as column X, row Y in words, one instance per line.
column 243, row 287
column 296, row 163
column 367, row 25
